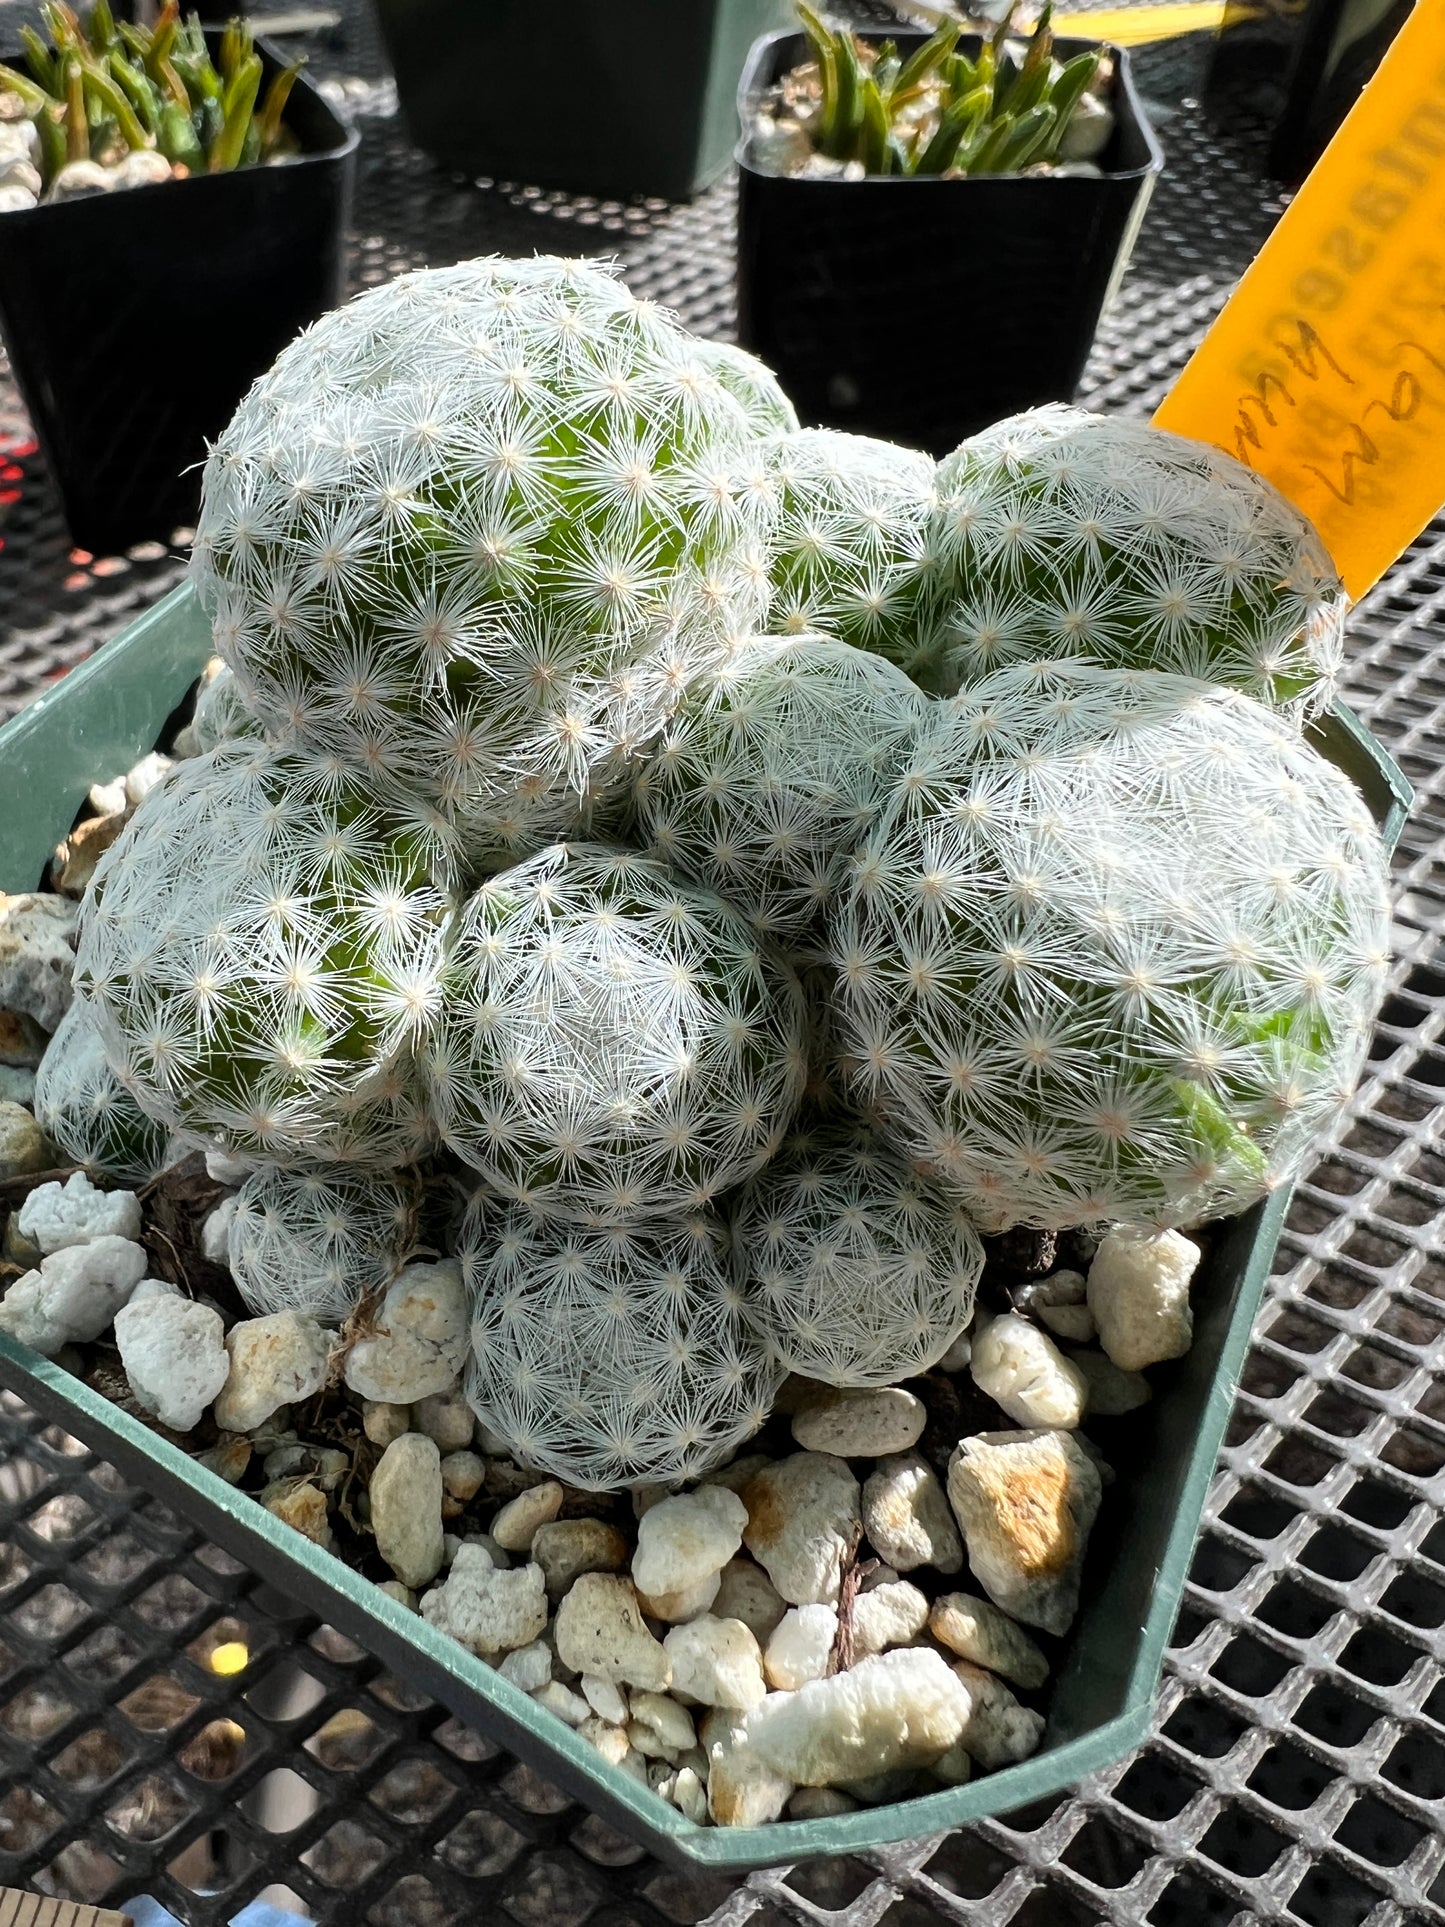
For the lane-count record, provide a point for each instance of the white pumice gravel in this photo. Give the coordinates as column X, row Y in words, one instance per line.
column 216, row 1232
column 222, row 1168
column 685, row 1541
column 463, row 1474
column 143, row 777
column 489, row 1610
column 558, row 1698
column 1138, row 1291
column 999, row 1731
column 605, row 1697
column 382, row 1423
column 862, row 1423
column 76, row 1212
column 907, row 1518
column 669, row 1725
column 600, row 1629
column 893, row 1614
column 1026, row 1502
column 803, row 1521
column 174, row 1354
column 406, row 1509
column 890, row 1712
column 569, row 1547
column 529, row 1668
column 516, row 1525
column 37, row 955
column 976, row 1630
column 800, row 1646
column 745, row 1592
column 276, row 1360
column 420, row 1340
column 445, row 1417
column 716, row 1662
column 74, row 1295
column 687, row 1603
column 742, row 1789
column 1025, row 1374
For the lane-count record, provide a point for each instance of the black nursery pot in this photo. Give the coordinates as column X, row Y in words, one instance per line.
column 921, row 310
column 136, row 320
column 605, row 97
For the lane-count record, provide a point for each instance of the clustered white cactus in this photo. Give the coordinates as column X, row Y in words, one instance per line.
column 1061, row 533
column 318, row 1240
column 481, row 526
column 770, row 775
column 860, row 1273
column 221, row 711
column 1114, row 950
column 612, row 1043
column 83, row 1107
column 611, row 1355
column 851, row 550
column 486, row 554
column 261, row 948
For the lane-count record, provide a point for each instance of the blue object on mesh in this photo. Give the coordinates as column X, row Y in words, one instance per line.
column 146, row 1912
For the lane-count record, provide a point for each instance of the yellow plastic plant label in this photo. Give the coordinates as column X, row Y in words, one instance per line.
column 1326, row 369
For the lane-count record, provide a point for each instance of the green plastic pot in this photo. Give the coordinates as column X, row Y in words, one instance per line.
column 604, row 97
column 99, row 720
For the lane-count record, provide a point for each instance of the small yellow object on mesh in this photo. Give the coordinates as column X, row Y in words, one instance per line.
column 232, row 1656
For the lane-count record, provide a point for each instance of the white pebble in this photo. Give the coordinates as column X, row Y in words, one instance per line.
column 670, row 1724
column 860, row 1423
column 747, row 1593
column 1023, row 1371
column 562, row 1701
column 742, row 1789
column 716, row 1662
column 891, row 1712
column 977, row 1631
column 56, row 1216
column 606, row 1698
column 174, row 1354
column 150, row 770
column 406, row 1508
column 462, row 1475
column 383, row 1423
column 599, row 1629
column 222, row 1168
column 445, row 1417
column 999, row 1730
column 74, row 1295
column 275, row 1361
column 515, row 1526
column 37, row 955
column 1139, row 1295
column 678, row 1607
column 800, row 1646
column 216, row 1232
column 1026, row 1502
column 803, row 1520
column 528, row 1668
column 893, row 1614
column 906, row 1516
column 107, row 799
column 488, row 1611
column 685, row 1541
column 420, row 1341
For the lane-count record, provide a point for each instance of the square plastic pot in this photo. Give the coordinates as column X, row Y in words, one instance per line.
column 136, row 320
column 604, row 97
column 110, row 711
column 921, row 310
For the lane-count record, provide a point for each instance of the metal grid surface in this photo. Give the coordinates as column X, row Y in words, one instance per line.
column 1297, row 1769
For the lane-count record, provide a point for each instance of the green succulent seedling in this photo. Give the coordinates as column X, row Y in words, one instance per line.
column 940, row 111
column 99, row 89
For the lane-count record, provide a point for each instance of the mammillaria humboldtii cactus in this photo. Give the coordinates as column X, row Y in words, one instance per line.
column 850, row 555
column 478, row 529
column 611, row 1043
column 771, row 775
column 318, row 1241
column 1115, row 949
column 84, row 1107
column 1061, row 533
column 261, row 948
column 609, row 1355
column 221, row 714
column 753, row 384
column 859, row 1273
